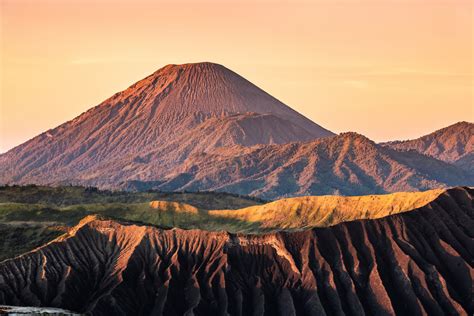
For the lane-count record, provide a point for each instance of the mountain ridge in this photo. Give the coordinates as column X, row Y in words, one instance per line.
column 347, row 164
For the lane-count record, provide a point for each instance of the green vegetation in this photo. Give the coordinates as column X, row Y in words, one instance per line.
column 75, row 195
column 20, row 237
column 136, row 212
column 31, row 216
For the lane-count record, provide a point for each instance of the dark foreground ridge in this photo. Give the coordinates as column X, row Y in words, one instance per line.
column 414, row 263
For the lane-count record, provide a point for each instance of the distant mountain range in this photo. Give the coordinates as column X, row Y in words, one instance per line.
column 203, row 127
column 348, row 164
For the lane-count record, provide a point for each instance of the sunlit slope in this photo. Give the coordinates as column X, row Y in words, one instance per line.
column 291, row 213
column 311, row 211
column 323, row 211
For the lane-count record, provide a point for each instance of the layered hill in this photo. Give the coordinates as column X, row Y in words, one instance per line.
column 453, row 144
column 142, row 132
column 347, row 164
column 414, row 263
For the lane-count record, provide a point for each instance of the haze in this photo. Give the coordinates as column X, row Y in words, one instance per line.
column 389, row 69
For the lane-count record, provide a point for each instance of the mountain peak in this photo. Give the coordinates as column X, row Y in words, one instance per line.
column 202, row 64
column 354, row 137
column 198, row 66
column 145, row 124
column 462, row 125
column 206, row 89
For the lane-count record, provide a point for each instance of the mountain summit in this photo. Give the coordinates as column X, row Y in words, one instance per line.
column 210, row 90
column 143, row 131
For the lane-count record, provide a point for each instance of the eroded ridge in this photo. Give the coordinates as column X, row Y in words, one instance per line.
column 413, row 263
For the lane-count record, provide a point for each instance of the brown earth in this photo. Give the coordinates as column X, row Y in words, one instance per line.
column 413, row 263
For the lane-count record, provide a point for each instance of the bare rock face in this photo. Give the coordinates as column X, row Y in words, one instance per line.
column 415, row 263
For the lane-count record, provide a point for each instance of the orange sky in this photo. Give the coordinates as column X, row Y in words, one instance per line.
column 389, row 69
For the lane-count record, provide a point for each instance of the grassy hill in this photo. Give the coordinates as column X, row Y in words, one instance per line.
column 74, row 195
column 31, row 215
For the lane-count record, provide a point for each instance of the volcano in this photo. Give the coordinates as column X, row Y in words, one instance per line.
column 178, row 110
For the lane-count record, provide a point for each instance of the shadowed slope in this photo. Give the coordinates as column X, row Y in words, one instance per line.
column 414, row 263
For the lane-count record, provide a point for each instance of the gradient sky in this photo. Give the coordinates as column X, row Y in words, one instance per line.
column 389, row 69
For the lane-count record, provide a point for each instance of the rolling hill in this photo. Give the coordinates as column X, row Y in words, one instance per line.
column 27, row 220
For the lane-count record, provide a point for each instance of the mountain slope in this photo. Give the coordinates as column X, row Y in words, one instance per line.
column 453, row 144
column 148, row 116
column 348, row 164
column 328, row 210
column 415, row 263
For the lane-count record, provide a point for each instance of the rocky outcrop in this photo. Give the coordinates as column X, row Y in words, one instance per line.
column 414, row 263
